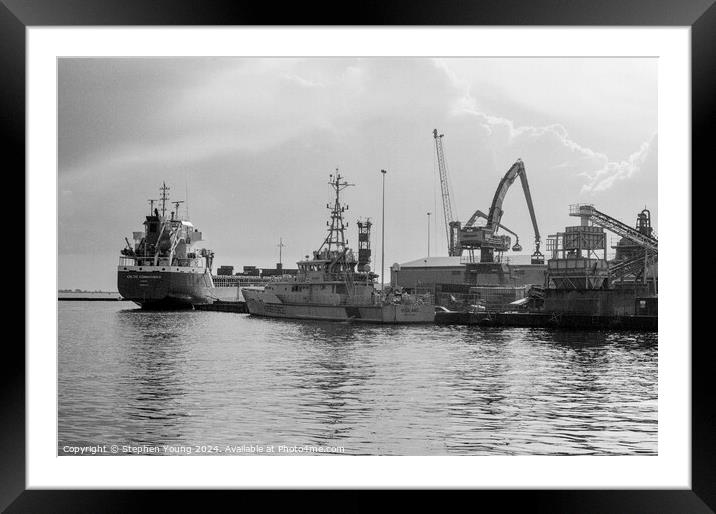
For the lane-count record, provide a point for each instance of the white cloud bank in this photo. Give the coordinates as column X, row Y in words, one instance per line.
column 551, row 145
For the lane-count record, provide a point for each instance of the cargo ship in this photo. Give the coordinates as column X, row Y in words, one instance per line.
column 163, row 269
column 335, row 285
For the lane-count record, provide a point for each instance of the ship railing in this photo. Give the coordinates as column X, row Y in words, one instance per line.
column 125, row 260
column 419, row 296
column 332, row 277
column 333, row 299
column 360, row 301
column 239, row 280
column 135, row 260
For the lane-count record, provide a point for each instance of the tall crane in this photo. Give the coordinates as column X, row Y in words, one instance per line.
column 495, row 215
column 451, row 225
column 485, row 238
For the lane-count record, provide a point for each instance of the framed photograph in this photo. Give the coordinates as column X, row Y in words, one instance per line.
column 277, row 244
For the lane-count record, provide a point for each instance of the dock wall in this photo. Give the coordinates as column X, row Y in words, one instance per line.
column 548, row 321
column 595, row 302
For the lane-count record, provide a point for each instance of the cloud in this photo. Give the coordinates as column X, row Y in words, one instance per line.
column 246, row 106
column 605, row 177
column 549, row 145
column 254, row 105
column 302, row 81
column 553, row 149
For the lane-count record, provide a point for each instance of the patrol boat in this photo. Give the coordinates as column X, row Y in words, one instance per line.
column 163, row 269
column 335, row 285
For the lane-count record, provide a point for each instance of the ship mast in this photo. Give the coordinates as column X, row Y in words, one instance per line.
column 336, row 239
column 176, row 207
column 164, row 198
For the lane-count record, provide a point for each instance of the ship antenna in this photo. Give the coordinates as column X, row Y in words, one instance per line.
column 186, row 196
column 151, row 206
column 336, row 230
column 164, row 198
column 280, row 253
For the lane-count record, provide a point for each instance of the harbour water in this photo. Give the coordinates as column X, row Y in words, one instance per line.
column 213, row 381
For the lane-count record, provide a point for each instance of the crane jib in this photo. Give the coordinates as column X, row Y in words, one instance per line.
column 444, row 188
column 495, row 215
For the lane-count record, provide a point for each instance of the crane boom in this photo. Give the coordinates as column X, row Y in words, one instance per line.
column 495, row 215
column 530, row 206
column 445, row 189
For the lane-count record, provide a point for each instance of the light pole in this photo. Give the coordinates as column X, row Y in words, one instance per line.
column 382, row 241
column 429, row 233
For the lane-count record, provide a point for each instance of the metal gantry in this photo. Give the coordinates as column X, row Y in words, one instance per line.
column 635, row 265
column 587, row 211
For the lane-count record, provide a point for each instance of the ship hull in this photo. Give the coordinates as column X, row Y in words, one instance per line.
column 263, row 304
column 156, row 287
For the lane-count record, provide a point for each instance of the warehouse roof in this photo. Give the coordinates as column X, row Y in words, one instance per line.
column 433, row 262
column 448, row 262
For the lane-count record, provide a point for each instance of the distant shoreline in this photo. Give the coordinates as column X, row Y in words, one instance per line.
column 65, row 291
column 89, row 296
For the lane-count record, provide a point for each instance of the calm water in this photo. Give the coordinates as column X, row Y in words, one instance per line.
column 228, row 381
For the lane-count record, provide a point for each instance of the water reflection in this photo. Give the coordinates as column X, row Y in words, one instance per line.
column 151, row 388
column 216, row 378
column 331, row 379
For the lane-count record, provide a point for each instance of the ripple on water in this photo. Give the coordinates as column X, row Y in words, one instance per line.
column 186, row 378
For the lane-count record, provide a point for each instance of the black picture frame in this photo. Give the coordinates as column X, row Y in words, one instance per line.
column 700, row 15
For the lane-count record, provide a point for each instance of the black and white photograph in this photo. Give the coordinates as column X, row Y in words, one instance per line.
column 357, row 256
column 400, row 246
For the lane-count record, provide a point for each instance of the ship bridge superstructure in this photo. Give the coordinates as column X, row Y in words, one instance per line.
column 167, row 239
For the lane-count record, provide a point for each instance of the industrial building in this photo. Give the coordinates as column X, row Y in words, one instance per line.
column 455, row 273
column 580, row 279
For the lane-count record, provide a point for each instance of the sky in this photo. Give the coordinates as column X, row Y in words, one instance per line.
column 250, row 142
